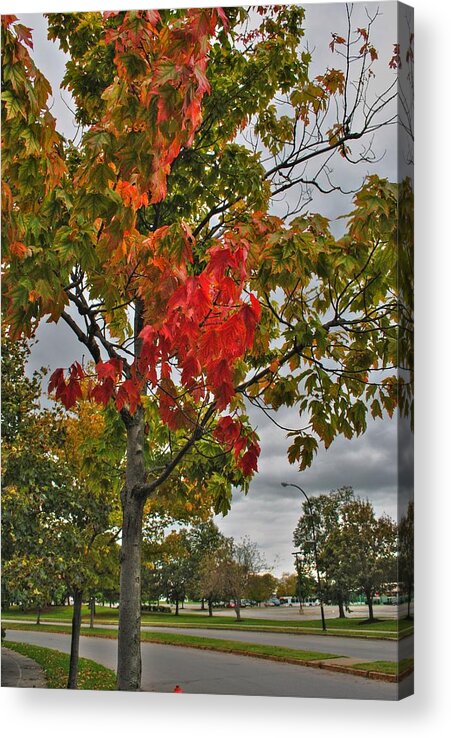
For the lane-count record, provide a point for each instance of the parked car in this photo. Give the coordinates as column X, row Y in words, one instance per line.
column 272, row 602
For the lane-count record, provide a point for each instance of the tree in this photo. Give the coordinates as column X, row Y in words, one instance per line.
column 242, row 561
column 205, row 541
column 406, row 550
column 322, row 518
column 260, row 587
column 370, row 545
column 29, row 473
column 210, row 573
column 176, row 295
column 175, row 569
column 307, row 585
column 287, row 585
column 56, row 521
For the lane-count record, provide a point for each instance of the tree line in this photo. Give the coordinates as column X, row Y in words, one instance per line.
column 357, row 552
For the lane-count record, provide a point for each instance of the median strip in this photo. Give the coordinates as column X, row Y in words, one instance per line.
column 307, row 628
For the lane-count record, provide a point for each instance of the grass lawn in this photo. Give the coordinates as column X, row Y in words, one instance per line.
column 56, row 668
column 255, row 649
column 387, row 628
column 386, row 667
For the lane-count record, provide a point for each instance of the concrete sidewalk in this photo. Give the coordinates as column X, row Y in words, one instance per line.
column 20, row 671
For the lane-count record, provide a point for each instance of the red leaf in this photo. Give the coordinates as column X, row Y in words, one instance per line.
column 56, row 379
column 128, row 395
column 223, row 17
column 111, row 369
column 221, row 258
column 71, row 393
column 251, row 315
column 19, row 249
column 103, row 392
column 191, row 369
column 232, row 336
column 248, row 463
column 220, row 379
column 228, row 430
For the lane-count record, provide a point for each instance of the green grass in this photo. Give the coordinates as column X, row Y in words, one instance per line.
column 188, row 641
column 353, row 627
column 255, row 649
column 56, row 668
column 386, row 667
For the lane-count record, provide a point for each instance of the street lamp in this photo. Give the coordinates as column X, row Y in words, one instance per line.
column 315, row 549
column 298, row 559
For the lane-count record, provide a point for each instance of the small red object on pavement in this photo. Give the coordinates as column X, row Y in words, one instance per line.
column 177, row 688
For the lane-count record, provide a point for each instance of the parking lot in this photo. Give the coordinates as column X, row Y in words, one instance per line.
column 308, row 613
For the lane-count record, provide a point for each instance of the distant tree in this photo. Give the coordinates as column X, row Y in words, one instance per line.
column 261, row 586
column 287, row 585
column 175, row 567
column 369, row 545
column 210, row 575
column 306, row 583
column 206, row 542
column 406, row 553
column 243, row 560
column 321, row 518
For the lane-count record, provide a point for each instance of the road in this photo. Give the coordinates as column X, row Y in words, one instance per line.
column 365, row 648
column 204, row 672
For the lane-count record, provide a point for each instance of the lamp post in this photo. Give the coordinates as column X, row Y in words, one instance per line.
column 315, row 549
column 298, row 559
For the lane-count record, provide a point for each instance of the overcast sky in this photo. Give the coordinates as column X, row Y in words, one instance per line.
column 269, row 513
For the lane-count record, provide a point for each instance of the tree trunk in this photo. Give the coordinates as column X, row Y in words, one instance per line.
column 341, row 608
column 75, row 640
column 238, row 609
column 369, row 602
column 38, row 618
column 129, row 632
column 176, row 605
column 92, row 608
column 202, row 604
column 210, row 607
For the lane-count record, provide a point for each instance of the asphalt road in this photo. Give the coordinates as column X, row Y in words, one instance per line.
column 365, row 648
column 204, row 672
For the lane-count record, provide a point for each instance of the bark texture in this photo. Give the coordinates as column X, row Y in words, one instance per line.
column 75, row 640
column 129, row 634
column 369, row 602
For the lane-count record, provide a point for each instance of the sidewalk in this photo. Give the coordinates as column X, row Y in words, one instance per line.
column 20, row 671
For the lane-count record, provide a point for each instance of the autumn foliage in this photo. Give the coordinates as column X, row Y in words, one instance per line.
column 156, row 227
